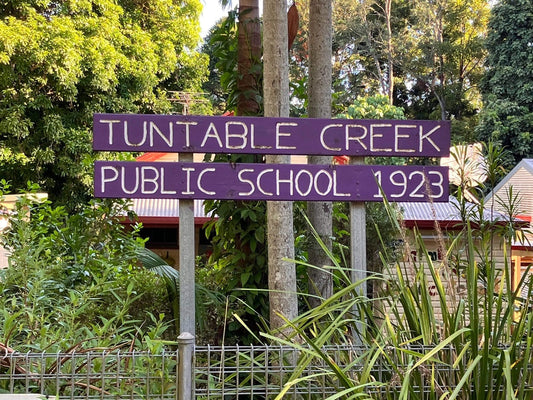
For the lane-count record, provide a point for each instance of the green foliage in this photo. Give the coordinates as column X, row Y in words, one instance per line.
column 205, row 299
column 434, row 53
column 60, row 62
column 447, row 57
column 509, row 62
column 379, row 231
column 453, row 328
column 478, row 343
column 373, row 107
column 221, row 46
column 122, row 372
column 234, row 85
column 73, row 281
column 507, row 119
column 238, row 264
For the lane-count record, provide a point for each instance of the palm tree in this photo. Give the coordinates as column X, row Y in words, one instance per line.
column 319, row 95
column 280, row 236
column 249, row 56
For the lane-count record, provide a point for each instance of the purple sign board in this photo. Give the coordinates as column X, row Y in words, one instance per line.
column 262, row 135
column 130, row 179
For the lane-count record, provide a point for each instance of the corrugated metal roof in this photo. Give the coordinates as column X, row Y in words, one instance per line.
column 165, row 208
column 443, row 212
column 430, row 211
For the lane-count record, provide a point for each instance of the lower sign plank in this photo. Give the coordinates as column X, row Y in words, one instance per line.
column 130, row 179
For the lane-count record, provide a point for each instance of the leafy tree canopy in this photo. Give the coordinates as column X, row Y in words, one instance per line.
column 62, row 61
column 507, row 119
column 426, row 56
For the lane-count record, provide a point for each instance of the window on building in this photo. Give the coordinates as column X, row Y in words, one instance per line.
column 160, row 238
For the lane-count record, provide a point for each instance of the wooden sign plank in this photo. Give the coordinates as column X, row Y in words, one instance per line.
column 273, row 182
column 262, row 135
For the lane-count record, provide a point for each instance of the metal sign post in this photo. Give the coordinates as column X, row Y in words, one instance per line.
column 187, row 261
column 358, row 235
column 358, row 268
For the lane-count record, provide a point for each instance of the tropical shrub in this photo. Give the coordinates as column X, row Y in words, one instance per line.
column 74, row 280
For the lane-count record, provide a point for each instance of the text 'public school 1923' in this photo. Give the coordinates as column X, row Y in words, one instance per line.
column 274, row 182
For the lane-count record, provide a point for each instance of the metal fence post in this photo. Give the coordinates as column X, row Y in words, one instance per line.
column 185, row 366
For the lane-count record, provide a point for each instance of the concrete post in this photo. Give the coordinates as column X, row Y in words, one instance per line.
column 358, row 248
column 358, row 236
column 187, row 261
column 186, row 386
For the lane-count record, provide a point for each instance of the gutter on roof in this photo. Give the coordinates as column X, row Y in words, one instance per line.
column 522, row 247
column 457, row 225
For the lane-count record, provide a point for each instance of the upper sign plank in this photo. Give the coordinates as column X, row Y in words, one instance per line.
column 262, row 135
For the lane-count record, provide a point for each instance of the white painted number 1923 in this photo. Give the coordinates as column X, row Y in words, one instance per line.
column 416, row 184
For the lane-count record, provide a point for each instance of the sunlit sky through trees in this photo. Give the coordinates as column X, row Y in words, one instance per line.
column 213, row 11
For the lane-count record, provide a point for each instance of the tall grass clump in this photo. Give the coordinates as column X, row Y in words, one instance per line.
column 453, row 328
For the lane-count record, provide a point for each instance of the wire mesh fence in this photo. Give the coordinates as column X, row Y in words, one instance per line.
column 91, row 375
column 240, row 372
column 262, row 372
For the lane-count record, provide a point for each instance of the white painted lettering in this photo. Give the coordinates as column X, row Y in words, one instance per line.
column 104, row 180
column 187, row 131
column 280, row 134
column 374, row 134
column 335, row 192
column 168, row 140
column 298, row 184
column 253, row 144
column 127, row 136
column 322, row 137
column 200, row 176
column 146, row 180
column 438, row 184
column 249, row 182
column 110, row 122
column 212, row 133
column 188, row 179
column 398, row 179
column 239, row 135
column 329, row 182
column 359, row 138
column 259, row 177
column 427, row 137
column 163, row 191
column 288, row 181
column 123, row 181
column 398, row 136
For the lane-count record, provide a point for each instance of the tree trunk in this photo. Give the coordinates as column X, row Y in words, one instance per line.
column 281, row 271
column 390, row 57
column 320, row 75
column 249, row 56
